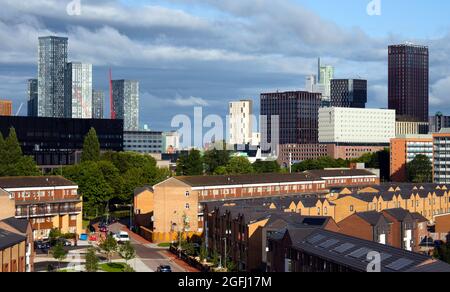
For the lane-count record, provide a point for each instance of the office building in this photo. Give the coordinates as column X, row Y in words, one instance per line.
column 411, row 128
column 356, row 126
column 409, row 82
column 51, row 74
column 441, row 156
column 241, row 122
column 98, row 104
column 404, row 150
column 5, row 107
column 297, row 113
column 439, row 121
column 171, row 142
column 145, row 142
column 325, row 77
column 78, row 91
column 126, row 103
column 349, row 93
column 55, row 142
column 32, row 97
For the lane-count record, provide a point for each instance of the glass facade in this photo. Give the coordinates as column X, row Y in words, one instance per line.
column 78, row 91
column 349, row 93
column 51, row 74
column 145, row 142
column 32, row 97
column 126, row 103
column 98, row 104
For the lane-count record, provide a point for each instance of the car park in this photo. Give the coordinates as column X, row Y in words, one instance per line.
column 164, row 269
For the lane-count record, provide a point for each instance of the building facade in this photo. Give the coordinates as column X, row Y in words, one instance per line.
column 441, row 156
column 54, row 142
column 411, row 128
column 241, row 122
column 51, row 74
column 349, row 93
column 78, row 91
column 404, row 150
column 171, row 142
column 98, row 104
column 126, row 103
column 32, row 97
column 297, row 113
column 438, row 122
column 352, row 125
column 326, row 74
column 5, row 107
column 409, row 82
column 145, row 142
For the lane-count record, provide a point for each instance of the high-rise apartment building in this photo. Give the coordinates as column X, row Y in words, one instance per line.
column 325, row 77
column 78, row 91
column 441, row 156
column 5, row 107
column 98, row 104
column 32, row 97
column 126, row 103
column 349, row 93
column 409, row 82
column 438, row 122
column 51, row 74
column 241, row 122
column 297, row 113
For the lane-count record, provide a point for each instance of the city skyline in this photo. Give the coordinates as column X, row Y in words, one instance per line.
column 174, row 65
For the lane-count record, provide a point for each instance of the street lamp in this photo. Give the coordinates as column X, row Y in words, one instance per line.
column 227, row 233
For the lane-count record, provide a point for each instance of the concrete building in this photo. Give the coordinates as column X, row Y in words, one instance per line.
column 441, row 156
column 403, row 128
column 126, row 103
column 439, row 121
column 32, row 97
column 241, row 122
column 409, row 82
column 5, row 107
column 78, row 91
column 404, row 150
column 98, row 104
column 171, row 142
column 48, row 202
column 145, row 142
column 52, row 63
column 349, row 93
column 353, row 125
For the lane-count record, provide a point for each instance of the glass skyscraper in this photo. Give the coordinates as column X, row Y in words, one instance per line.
column 98, row 104
column 78, row 91
column 126, row 103
column 349, row 93
column 51, row 73
column 32, row 97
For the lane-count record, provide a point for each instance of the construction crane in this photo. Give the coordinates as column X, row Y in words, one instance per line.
column 20, row 108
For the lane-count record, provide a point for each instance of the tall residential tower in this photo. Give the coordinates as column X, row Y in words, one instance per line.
column 126, row 103
column 78, row 91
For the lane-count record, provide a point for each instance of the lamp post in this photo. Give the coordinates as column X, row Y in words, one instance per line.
column 227, row 233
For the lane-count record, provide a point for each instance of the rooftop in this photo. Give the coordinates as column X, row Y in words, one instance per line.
column 9, row 239
column 34, row 182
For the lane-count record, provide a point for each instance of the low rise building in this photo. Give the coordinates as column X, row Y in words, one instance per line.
column 411, row 128
column 5, row 107
column 145, row 142
column 16, row 245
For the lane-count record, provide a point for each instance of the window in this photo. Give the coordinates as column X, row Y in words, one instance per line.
column 187, row 206
column 187, row 194
column 352, row 208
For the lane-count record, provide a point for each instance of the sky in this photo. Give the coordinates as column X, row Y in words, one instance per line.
column 188, row 53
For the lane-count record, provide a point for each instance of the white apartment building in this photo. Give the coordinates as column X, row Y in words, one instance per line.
column 241, row 122
column 171, row 142
column 356, row 126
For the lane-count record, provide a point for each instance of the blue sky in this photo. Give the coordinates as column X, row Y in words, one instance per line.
column 188, row 53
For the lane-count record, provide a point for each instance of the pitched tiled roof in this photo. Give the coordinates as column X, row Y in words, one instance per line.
column 340, row 172
column 34, row 182
column 371, row 217
column 9, row 239
column 398, row 213
column 21, row 225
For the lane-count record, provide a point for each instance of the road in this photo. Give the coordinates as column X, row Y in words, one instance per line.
column 152, row 257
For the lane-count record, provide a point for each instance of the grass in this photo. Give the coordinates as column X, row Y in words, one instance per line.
column 114, row 267
column 167, row 244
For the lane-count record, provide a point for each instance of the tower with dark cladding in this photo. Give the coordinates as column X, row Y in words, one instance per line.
column 409, row 82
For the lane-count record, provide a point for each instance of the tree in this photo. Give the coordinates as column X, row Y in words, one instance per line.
column 92, row 261
column 203, row 252
column 420, row 170
column 127, row 252
column 91, row 147
column 239, row 165
column 191, row 164
column 59, row 253
column 221, row 170
column 266, row 166
column 109, row 246
column 215, row 158
column 320, row 163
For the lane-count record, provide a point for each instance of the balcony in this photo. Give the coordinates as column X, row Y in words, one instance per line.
column 44, row 211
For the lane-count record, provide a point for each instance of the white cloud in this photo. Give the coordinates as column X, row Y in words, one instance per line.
column 190, row 101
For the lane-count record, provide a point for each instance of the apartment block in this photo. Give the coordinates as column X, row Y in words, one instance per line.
column 241, row 122
column 404, row 149
column 441, row 156
column 403, row 128
column 5, row 108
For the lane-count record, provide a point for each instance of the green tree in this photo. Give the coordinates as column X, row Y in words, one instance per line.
column 215, row 158
column 266, row 166
column 203, row 252
column 91, row 147
column 239, row 165
column 92, row 261
column 109, row 246
column 127, row 252
column 192, row 164
column 420, row 170
column 221, row 170
column 59, row 253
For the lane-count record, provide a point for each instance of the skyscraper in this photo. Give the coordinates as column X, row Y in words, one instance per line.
column 51, row 70
column 325, row 77
column 241, row 122
column 98, row 104
column 409, row 81
column 32, row 97
column 349, row 93
column 78, row 91
column 298, row 114
column 126, row 103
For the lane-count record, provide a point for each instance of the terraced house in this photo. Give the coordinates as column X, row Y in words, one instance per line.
column 47, row 202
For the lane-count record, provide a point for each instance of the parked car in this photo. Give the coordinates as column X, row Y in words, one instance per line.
column 164, row 269
column 42, row 244
column 103, row 228
column 64, row 242
column 121, row 237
